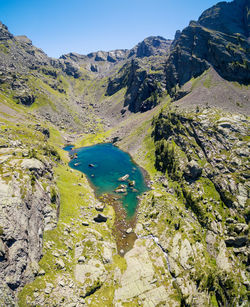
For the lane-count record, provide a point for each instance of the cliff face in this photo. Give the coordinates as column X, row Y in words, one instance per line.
column 144, row 84
column 151, row 46
column 219, row 39
column 29, row 206
column 228, row 18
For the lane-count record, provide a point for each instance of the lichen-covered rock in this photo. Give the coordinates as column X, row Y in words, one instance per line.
column 33, row 165
column 137, row 282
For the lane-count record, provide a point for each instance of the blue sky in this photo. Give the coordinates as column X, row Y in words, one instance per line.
column 83, row 26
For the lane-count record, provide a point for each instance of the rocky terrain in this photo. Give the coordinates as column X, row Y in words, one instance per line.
column 181, row 109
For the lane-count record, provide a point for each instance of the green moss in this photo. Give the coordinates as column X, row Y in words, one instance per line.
column 93, row 288
column 92, row 139
column 27, row 291
column 214, row 302
column 53, row 195
column 208, row 82
column 4, row 49
column 120, row 262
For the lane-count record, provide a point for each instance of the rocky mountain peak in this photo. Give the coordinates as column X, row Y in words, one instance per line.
column 110, row 56
column 228, row 17
column 23, row 39
column 220, row 38
column 152, row 45
column 4, row 32
column 177, row 34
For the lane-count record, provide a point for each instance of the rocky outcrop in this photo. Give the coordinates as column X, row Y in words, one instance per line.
column 151, row 46
column 144, row 85
column 138, row 282
column 227, row 17
column 110, row 56
column 204, row 155
column 4, row 33
column 28, row 205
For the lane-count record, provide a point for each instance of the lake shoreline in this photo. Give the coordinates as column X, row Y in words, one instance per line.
column 124, row 223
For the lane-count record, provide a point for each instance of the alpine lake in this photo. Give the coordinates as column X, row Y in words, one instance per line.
column 117, row 180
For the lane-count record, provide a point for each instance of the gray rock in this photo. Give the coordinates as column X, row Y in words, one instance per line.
column 100, row 207
column 33, row 165
column 60, row 264
column 81, row 259
column 129, row 230
column 2, row 249
column 240, row 227
column 41, row 272
column 229, row 220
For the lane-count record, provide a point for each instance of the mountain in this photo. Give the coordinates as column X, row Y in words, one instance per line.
column 219, row 39
column 181, row 110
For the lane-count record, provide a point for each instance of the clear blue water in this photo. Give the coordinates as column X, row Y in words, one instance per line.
column 103, row 165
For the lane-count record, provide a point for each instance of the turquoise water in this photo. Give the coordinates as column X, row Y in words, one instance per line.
column 104, row 164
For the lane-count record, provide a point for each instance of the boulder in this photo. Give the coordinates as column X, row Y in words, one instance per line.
column 193, row 170
column 240, row 227
column 129, row 230
column 85, row 223
column 100, row 218
column 81, row 259
column 60, row 264
column 100, row 207
column 25, row 98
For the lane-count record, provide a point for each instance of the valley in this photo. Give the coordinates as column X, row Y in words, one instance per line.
column 181, row 110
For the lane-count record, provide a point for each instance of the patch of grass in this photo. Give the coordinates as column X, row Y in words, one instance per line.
column 4, row 49
column 92, row 139
column 208, row 81
column 120, row 262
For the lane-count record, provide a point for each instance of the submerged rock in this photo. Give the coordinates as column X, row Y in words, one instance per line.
column 124, row 178
column 131, row 183
column 122, row 190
